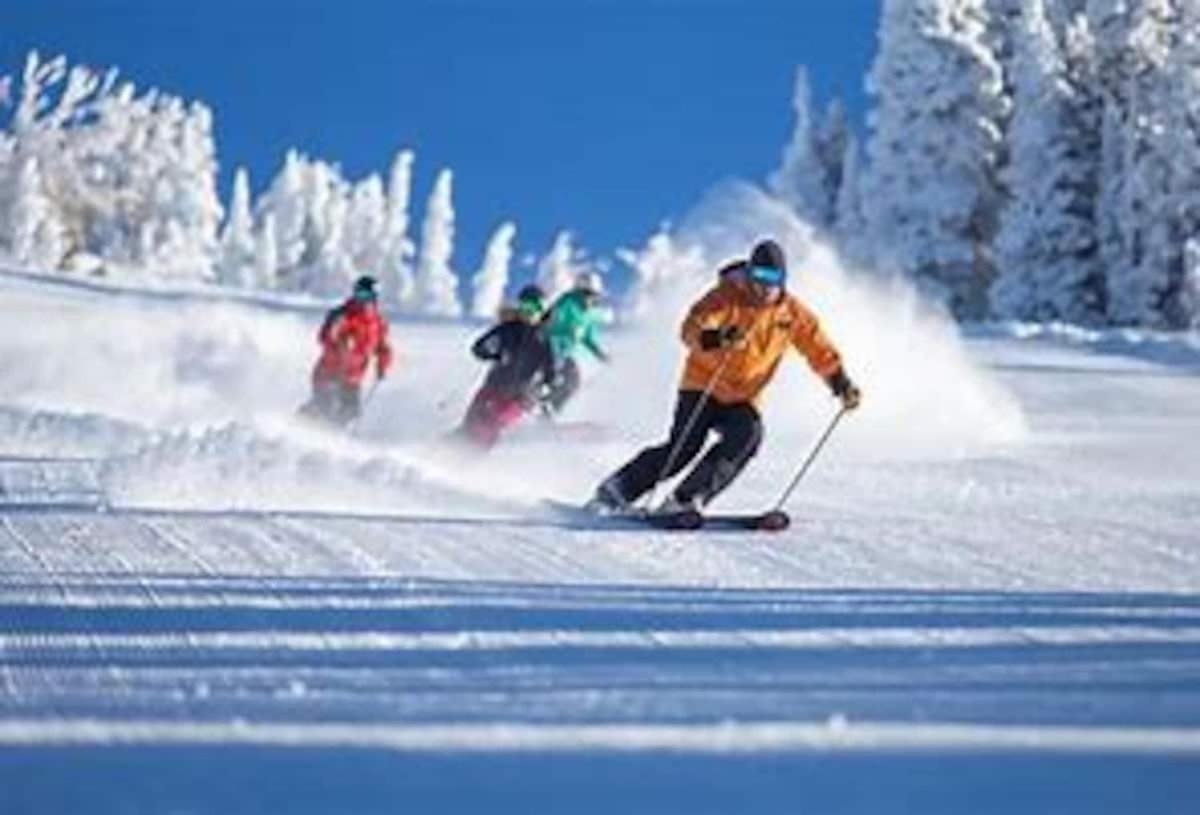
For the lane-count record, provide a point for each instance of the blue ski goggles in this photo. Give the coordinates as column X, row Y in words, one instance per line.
column 767, row 275
column 364, row 295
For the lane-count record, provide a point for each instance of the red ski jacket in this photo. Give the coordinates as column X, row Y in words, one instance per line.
column 350, row 335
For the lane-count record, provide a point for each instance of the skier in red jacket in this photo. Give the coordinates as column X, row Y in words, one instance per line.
column 350, row 335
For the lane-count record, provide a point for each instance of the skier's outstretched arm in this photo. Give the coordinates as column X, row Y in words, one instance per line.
column 823, row 357
column 489, row 346
column 330, row 328
column 383, row 353
column 591, row 343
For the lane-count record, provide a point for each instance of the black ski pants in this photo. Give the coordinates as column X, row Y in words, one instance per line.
column 566, row 382
column 741, row 431
column 335, row 402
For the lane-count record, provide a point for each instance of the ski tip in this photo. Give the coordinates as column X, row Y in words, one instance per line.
column 774, row 521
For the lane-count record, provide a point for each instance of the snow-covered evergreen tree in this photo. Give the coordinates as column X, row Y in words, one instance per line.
column 1047, row 247
column 850, row 223
column 236, row 266
column 1182, row 136
column 266, row 257
column 833, row 142
column 364, row 236
column 335, row 268
column 933, row 197
column 492, row 277
column 132, row 178
column 437, row 285
column 558, row 268
column 800, row 179
column 284, row 203
column 187, row 208
column 1139, row 47
column 35, row 233
column 810, row 173
column 310, row 202
column 396, row 275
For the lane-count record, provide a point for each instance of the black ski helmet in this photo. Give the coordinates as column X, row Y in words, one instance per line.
column 531, row 301
column 531, row 291
column 768, row 254
column 366, row 288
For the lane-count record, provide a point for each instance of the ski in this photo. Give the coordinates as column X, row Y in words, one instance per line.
column 775, row 520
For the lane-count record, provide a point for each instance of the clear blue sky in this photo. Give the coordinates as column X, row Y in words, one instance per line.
column 605, row 116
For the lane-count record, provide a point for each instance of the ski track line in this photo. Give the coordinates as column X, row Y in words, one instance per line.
column 145, row 585
column 243, row 539
column 286, row 534
column 12, row 687
column 43, row 673
column 30, row 552
column 123, row 682
column 655, row 640
column 547, row 561
column 352, row 554
column 279, row 560
column 834, row 736
column 172, row 543
column 172, row 537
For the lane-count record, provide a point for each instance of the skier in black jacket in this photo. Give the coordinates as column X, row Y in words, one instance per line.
column 522, row 368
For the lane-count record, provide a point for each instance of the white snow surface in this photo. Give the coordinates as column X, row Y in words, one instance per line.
column 988, row 600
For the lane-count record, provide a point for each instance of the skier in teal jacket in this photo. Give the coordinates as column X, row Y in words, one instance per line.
column 571, row 325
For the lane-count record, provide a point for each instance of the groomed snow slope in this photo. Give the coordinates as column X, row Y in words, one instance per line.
column 988, row 601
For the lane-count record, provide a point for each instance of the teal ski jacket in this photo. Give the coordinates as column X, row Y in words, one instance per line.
column 571, row 325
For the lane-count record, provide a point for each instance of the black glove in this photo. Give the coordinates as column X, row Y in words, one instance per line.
column 844, row 389
column 727, row 336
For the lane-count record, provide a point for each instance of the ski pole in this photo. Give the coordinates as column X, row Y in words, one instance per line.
column 705, row 395
column 812, row 456
column 352, row 428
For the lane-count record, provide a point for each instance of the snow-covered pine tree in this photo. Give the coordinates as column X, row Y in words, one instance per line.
column 31, row 227
column 334, row 271
column 310, row 203
column 833, row 141
column 284, row 203
column 800, row 178
column 1047, row 246
column 236, row 266
column 266, row 258
column 850, row 224
column 810, row 171
column 396, row 274
column 492, row 277
column 364, row 236
column 185, row 200
column 559, row 267
column 133, row 178
column 437, row 285
column 932, row 198
column 1143, row 240
column 1182, row 136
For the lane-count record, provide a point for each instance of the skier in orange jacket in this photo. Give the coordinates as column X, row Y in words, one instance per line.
column 736, row 336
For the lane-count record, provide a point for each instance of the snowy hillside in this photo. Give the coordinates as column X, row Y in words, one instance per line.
column 987, row 603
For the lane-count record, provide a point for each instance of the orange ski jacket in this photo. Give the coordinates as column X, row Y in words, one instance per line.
column 766, row 331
